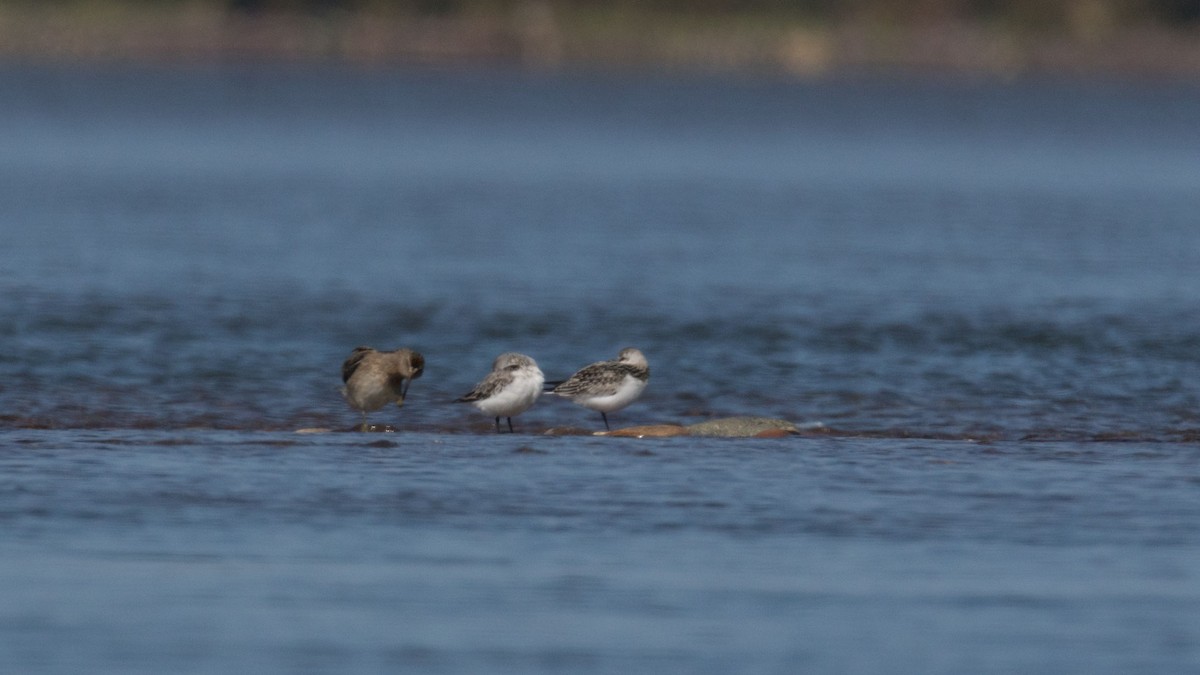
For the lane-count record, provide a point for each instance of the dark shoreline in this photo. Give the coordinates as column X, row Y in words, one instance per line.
column 539, row 38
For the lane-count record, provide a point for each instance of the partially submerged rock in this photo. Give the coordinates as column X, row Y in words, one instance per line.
column 648, row 431
column 742, row 427
column 371, row 428
column 566, row 431
column 728, row 427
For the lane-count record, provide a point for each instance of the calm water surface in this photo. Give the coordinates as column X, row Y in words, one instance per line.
column 979, row 300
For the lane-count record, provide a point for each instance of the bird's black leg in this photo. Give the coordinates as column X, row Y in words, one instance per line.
column 605, row 420
column 497, row 425
column 510, row 429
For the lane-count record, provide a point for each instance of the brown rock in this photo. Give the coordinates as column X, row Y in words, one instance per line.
column 651, row 431
column 773, row 433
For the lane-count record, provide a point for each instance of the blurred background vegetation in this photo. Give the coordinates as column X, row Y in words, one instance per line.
column 1032, row 13
column 803, row 37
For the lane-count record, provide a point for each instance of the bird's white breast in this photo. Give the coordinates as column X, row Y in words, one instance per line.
column 627, row 392
column 516, row 397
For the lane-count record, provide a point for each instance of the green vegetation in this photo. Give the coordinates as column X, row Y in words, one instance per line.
column 802, row 37
column 1063, row 15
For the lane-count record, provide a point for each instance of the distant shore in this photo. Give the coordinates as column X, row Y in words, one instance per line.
column 537, row 35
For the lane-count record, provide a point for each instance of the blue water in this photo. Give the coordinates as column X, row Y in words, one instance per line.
column 978, row 299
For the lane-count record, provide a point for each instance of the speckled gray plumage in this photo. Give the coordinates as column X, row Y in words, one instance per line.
column 605, row 378
column 502, row 375
column 608, row 386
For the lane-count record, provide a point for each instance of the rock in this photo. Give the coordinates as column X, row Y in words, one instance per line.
column 761, row 427
column 566, row 431
column 649, row 431
column 773, row 433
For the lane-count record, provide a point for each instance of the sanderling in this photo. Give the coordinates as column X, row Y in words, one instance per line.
column 509, row 390
column 608, row 386
column 374, row 378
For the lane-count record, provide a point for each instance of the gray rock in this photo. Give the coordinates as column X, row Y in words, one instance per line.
column 743, row 426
